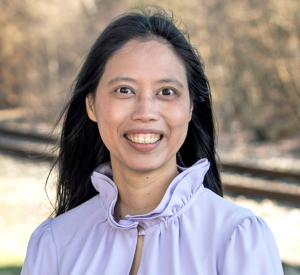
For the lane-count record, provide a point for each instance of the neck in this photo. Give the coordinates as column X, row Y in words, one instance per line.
column 140, row 192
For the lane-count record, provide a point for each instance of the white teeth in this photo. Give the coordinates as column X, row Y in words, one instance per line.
column 144, row 138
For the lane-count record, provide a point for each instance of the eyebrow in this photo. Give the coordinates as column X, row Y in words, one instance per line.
column 120, row 78
column 161, row 81
column 171, row 80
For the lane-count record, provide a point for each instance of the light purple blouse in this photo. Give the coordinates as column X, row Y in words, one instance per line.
column 191, row 231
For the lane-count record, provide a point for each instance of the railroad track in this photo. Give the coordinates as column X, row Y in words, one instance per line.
column 256, row 181
column 236, row 178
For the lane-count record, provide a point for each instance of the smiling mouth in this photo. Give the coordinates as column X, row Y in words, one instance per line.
column 144, row 138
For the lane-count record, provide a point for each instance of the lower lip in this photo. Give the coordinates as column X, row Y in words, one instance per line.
column 143, row 147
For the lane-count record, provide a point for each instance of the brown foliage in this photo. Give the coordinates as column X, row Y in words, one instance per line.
column 42, row 44
column 252, row 56
column 250, row 47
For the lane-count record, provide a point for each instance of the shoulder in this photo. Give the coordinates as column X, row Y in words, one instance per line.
column 42, row 233
column 227, row 206
column 41, row 251
column 251, row 249
column 78, row 219
column 245, row 243
column 73, row 223
column 91, row 207
column 223, row 213
column 48, row 240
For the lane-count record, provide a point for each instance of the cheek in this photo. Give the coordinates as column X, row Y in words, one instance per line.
column 109, row 118
column 178, row 119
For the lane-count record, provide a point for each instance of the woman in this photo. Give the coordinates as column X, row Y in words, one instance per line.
column 139, row 116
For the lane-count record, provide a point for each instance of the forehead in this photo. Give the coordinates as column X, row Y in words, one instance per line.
column 151, row 59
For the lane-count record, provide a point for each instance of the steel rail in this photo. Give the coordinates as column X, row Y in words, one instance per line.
column 259, row 171
column 37, row 146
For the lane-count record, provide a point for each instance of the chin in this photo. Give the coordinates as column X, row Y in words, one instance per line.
column 144, row 167
column 147, row 164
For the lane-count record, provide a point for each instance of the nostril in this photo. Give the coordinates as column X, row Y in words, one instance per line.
column 145, row 114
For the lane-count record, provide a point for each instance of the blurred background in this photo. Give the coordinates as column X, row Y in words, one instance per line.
column 252, row 58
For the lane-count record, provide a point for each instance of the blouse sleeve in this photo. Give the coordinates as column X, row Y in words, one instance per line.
column 41, row 255
column 251, row 249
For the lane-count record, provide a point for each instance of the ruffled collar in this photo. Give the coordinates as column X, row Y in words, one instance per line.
column 179, row 192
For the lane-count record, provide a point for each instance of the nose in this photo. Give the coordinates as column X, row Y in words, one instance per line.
column 145, row 110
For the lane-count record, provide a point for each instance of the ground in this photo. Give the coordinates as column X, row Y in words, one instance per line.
column 24, row 205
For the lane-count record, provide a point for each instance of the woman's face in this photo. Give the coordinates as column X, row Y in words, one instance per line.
column 142, row 105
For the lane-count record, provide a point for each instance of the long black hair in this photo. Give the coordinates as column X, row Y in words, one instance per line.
column 81, row 146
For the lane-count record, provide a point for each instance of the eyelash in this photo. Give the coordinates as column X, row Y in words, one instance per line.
column 160, row 92
column 119, row 90
column 174, row 91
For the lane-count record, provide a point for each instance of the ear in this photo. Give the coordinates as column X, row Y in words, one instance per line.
column 90, row 108
column 191, row 112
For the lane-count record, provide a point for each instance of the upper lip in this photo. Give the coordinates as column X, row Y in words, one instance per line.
column 143, row 131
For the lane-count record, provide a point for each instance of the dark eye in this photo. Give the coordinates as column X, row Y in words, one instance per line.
column 166, row 91
column 124, row 90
